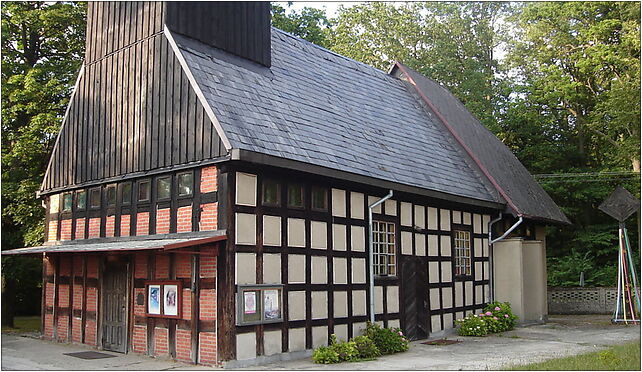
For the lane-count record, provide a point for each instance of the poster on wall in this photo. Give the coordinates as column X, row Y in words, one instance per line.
column 250, row 302
column 153, row 299
column 271, row 304
column 170, row 299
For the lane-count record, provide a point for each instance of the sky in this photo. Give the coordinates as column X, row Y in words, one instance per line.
column 330, row 6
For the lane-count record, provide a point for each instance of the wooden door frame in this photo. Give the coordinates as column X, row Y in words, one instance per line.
column 101, row 307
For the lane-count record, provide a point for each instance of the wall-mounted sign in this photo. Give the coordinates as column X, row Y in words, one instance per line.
column 164, row 298
column 258, row 304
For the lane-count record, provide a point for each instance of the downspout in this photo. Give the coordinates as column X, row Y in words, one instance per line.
column 492, row 241
column 371, row 254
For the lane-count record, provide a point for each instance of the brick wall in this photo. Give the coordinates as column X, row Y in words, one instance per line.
column 209, row 179
column 162, row 221
column 52, row 231
column 80, row 229
column 184, row 219
column 209, row 217
column 142, row 223
column 125, row 225
column 94, row 227
column 65, row 230
column 110, row 226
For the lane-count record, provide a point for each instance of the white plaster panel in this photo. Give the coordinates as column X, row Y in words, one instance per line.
column 319, row 270
column 338, row 203
column 341, row 331
column 296, row 305
column 434, row 299
column 435, row 320
column 420, row 216
column 469, row 293
column 359, row 303
column 432, row 218
column 433, row 245
column 477, row 221
column 479, row 294
column 392, row 298
column 358, row 329
column 406, row 217
column 271, row 268
column 296, row 232
column 390, row 207
column 372, row 200
column 420, row 244
column 272, row 342
column 477, row 244
column 319, row 305
column 447, row 298
column 448, row 321
column 358, row 238
column 479, row 267
column 272, row 231
column 245, row 228
column 357, row 205
column 339, row 242
column 296, row 268
column 459, row 294
column 486, row 293
column 246, row 346
column 485, row 222
column 247, row 276
column 433, row 272
column 406, row 242
column 444, row 219
column 378, row 299
column 358, row 270
column 54, row 203
column 318, row 235
column 446, row 272
column 485, row 247
column 340, row 270
column 340, row 304
column 246, row 189
column 393, row 323
column 319, row 336
column 486, row 270
column 466, row 219
column 445, row 245
column 296, row 339
column 457, row 217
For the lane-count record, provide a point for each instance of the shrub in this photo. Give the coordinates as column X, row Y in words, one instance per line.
column 472, row 325
column 325, row 355
column 366, row 347
column 387, row 340
column 347, row 351
column 501, row 317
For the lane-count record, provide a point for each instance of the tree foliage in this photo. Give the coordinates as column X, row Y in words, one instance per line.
column 310, row 24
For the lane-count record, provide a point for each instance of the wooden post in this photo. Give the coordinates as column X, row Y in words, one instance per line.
column 195, row 305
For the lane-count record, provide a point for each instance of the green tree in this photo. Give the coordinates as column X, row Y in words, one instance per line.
column 310, row 24
column 42, row 50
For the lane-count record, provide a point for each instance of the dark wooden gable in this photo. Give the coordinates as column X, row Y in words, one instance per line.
column 133, row 109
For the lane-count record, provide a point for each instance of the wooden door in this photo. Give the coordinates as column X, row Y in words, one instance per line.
column 415, row 293
column 115, row 309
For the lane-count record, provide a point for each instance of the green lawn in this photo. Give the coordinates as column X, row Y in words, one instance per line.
column 24, row 324
column 621, row 357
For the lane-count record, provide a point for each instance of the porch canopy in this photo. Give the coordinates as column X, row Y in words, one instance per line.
column 164, row 242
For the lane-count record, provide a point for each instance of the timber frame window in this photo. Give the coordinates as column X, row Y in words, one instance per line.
column 81, row 199
column 384, row 248
column 67, row 201
column 319, row 199
column 462, row 256
column 163, row 188
column 295, row 196
column 143, row 191
column 126, row 193
column 185, row 184
column 259, row 304
column 111, row 195
column 94, row 198
column 271, row 193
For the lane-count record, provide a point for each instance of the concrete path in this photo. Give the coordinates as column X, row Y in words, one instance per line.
column 561, row 336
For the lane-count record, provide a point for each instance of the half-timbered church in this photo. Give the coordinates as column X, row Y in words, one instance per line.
column 222, row 190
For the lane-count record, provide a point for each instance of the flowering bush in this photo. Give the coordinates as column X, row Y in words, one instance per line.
column 366, row 347
column 501, row 316
column 387, row 340
column 325, row 355
column 472, row 325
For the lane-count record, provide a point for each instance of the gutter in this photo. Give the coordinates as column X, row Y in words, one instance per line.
column 371, row 254
column 492, row 241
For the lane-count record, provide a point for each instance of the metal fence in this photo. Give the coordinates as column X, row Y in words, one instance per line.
column 581, row 300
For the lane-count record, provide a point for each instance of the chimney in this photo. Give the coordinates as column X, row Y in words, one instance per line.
column 238, row 27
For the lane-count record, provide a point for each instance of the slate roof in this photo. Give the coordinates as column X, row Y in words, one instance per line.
column 320, row 108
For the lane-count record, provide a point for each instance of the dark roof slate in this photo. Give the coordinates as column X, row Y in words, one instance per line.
column 317, row 107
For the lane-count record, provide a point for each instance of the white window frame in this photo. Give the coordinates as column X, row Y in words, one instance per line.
column 463, row 252
column 384, row 248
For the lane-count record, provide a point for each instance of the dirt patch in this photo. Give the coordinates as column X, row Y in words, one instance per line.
column 440, row 342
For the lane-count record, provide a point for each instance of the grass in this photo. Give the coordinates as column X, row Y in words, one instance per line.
column 24, row 324
column 624, row 357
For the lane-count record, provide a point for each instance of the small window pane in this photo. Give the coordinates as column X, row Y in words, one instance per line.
column 383, row 241
column 164, row 188
column 127, row 193
column 271, row 192
column 111, row 195
column 81, row 199
column 295, row 196
column 185, row 184
column 319, row 199
column 462, row 252
column 94, row 198
column 67, row 202
column 143, row 190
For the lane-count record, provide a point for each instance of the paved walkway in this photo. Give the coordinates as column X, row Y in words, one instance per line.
column 561, row 336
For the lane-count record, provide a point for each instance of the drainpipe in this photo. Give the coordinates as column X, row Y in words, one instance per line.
column 492, row 241
column 371, row 254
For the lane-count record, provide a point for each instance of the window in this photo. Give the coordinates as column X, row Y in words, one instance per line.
column 81, row 199
column 164, row 188
column 67, row 202
column 271, row 193
column 462, row 252
column 319, row 199
column 126, row 193
column 164, row 298
column 259, row 304
column 111, row 195
column 94, row 198
column 383, row 248
column 295, row 196
column 143, row 191
column 185, row 184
